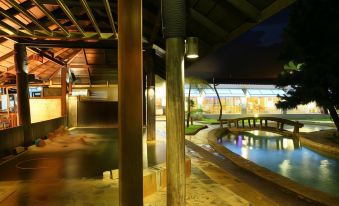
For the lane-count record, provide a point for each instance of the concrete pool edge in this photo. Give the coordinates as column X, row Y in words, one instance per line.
column 322, row 147
column 302, row 191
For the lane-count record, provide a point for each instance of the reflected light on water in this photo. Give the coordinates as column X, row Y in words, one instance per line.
column 285, row 167
column 324, row 169
column 239, row 142
column 244, row 152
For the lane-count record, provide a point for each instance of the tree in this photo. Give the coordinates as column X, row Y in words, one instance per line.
column 219, row 100
column 194, row 83
column 311, row 47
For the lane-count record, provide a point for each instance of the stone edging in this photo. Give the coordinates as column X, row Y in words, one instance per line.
column 309, row 194
column 318, row 146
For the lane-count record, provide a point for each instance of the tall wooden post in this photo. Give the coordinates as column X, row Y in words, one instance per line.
column 144, row 105
column 175, row 116
column 130, row 102
column 63, row 91
column 20, row 59
column 150, row 97
column 174, row 17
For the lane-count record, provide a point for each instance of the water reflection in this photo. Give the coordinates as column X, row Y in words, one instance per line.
column 287, row 157
column 257, row 140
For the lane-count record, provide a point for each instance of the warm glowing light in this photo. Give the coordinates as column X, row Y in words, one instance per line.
column 151, row 92
column 244, row 152
column 200, row 100
column 192, row 56
column 256, row 132
column 285, row 167
column 80, row 92
column 163, row 102
column 243, row 100
column 160, row 91
column 192, row 49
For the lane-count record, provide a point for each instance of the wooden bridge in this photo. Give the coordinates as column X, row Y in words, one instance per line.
column 262, row 123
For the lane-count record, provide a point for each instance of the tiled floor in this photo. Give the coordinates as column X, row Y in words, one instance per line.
column 200, row 190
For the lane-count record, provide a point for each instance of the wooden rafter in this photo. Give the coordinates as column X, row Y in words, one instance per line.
column 30, row 16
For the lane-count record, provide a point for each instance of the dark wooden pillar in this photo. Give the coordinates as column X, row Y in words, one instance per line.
column 20, row 58
column 130, row 102
column 150, row 97
column 144, row 104
column 63, row 91
column 175, row 116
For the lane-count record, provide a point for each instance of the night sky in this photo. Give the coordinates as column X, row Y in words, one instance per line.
column 253, row 55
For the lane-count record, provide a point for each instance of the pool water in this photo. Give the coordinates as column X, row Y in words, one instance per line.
column 287, row 157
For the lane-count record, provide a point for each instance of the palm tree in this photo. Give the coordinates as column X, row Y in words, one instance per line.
column 216, row 91
column 198, row 84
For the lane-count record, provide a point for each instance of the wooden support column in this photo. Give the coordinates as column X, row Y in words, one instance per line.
column 144, row 90
column 130, row 103
column 70, row 88
column 175, row 128
column 150, row 97
column 20, row 59
column 63, row 91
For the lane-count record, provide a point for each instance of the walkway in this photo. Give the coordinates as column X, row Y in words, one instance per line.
column 256, row 190
column 66, row 174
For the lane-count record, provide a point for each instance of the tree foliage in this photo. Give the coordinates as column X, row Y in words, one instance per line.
column 311, row 51
column 198, row 84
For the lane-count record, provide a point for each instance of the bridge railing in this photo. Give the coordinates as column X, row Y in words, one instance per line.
column 261, row 122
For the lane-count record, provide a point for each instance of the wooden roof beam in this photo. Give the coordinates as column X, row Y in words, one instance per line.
column 246, row 8
column 70, row 15
column 8, row 30
column 30, row 16
column 210, row 25
column 6, row 56
column 88, row 70
column 57, row 35
column 91, row 16
column 13, row 11
column 110, row 16
column 5, row 14
column 51, row 17
column 92, row 4
column 70, row 55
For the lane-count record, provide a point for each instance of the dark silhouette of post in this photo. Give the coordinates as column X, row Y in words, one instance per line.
column 130, row 103
column 150, row 96
column 144, row 104
column 20, row 59
column 63, row 91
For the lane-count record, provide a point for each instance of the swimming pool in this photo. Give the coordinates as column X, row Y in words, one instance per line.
column 287, row 157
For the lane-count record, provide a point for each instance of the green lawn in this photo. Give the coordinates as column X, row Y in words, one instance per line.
column 314, row 119
column 209, row 121
column 193, row 129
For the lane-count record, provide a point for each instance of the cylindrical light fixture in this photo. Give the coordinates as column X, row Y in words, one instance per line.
column 192, row 48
